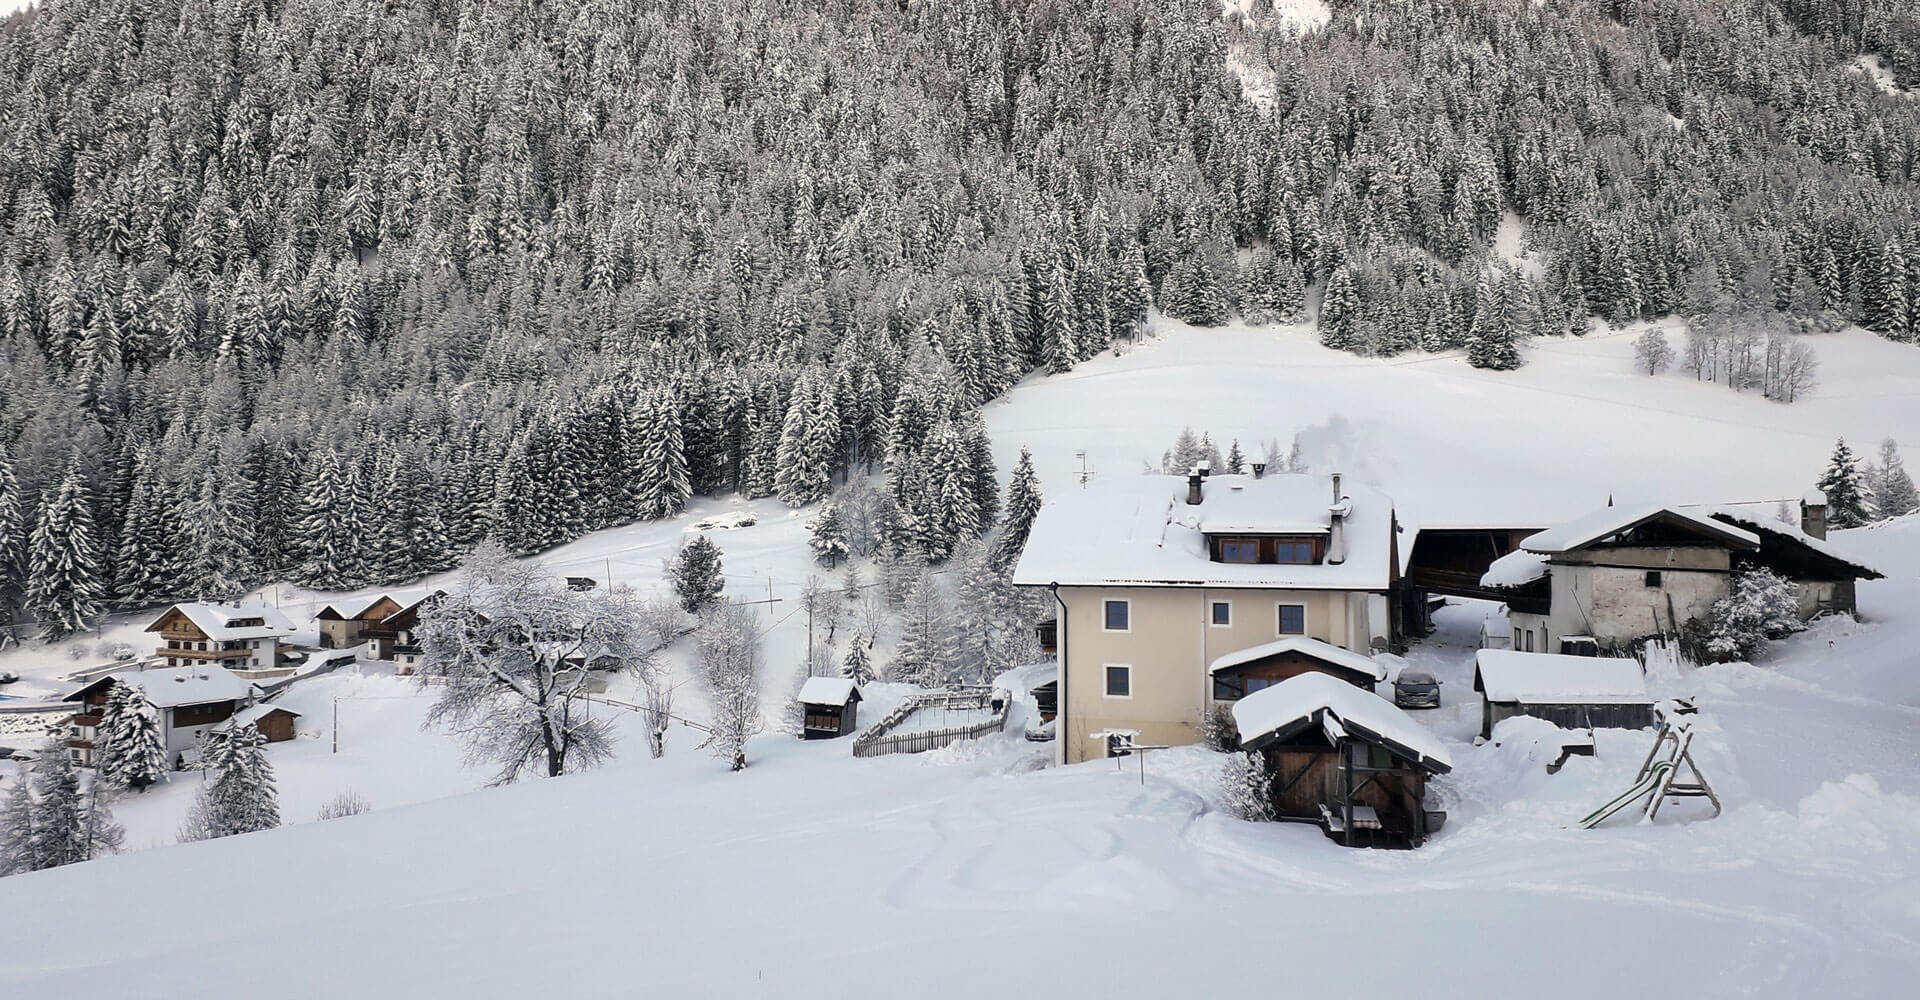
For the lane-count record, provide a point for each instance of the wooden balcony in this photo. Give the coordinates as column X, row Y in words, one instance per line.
column 211, row 655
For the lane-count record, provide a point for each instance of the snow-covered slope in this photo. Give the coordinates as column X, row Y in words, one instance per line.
column 977, row 868
column 1577, row 418
column 941, row 874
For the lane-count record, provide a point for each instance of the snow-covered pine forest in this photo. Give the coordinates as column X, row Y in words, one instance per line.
column 331, row 290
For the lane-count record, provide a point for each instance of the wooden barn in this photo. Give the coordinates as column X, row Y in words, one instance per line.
column 1572, row 692
column 275, row 722
column 1345, row 759
column 832, row 707
column 1242, row 672
column 345, row 625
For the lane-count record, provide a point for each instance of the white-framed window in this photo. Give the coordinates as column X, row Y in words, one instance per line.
column 1290, row 619
column 1119, row 680
column 1116, row 615
column 1220, row 613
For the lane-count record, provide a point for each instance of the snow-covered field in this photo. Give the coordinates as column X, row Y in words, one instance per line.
column 978, row 868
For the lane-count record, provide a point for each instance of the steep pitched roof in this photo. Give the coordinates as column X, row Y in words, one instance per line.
column 172, row 688
column 1140, row 531
column 828, row 691
column 1609, row 521
column 1776, row 534
column 216, row 621
column 1296, row 704
column 1325, row 652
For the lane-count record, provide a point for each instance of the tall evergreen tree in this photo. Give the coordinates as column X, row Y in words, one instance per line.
column 1023, row 505
column 1845, row 488
column 64, row 589
column 696, row 574
column 1894, row 494
column 242, row 797
column 14, row 566
column 128, row 751
column 328, row 532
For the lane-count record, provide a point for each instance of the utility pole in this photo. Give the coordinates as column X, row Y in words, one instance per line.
column 336, row 723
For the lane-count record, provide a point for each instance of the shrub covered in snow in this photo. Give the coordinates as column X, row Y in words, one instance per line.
column 1761, row 606
column 1217, row 730
column 1247, row 783
column 347, row 803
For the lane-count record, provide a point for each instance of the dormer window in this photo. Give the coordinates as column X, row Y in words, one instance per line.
column 1299, row 550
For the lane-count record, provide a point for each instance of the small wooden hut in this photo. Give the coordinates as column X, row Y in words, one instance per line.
column 832, row 706
column 1572, row 692
column 275, row 722
column 1244, row 671
column 1345, row 759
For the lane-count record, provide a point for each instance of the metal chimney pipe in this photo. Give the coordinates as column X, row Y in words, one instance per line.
column 1193, row 486
column 1259, row 469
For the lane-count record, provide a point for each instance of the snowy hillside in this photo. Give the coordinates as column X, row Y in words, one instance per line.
column 1084, row 880
column 677, row 876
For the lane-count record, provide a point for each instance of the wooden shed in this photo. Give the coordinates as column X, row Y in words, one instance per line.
column 1245, row 671
column 275, row 722
column 1572, row 692
column 1345, row 759
column 832, row 707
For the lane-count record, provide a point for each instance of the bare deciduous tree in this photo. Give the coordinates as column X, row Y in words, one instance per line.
column 510, row 650
column 730, row 663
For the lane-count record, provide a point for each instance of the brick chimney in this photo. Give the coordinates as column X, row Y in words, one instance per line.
column 1813, row 514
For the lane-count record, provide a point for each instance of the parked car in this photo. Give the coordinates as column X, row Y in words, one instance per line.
column 20, row 755
column 1416, row 689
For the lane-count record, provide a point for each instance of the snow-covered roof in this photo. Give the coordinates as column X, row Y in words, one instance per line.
column 351, row 610
column 173, row 687
column 1763, row 523
column 827, row 691
column 1515, row 569
column 249, row 716
column 1139, row 530
column 1305, row 646
column 215, row 620
column 1607, row 521
column 1338, row 708
column 1445, row 508
column 1557, row 679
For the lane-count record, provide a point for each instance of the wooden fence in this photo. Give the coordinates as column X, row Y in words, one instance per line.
column 880, row 740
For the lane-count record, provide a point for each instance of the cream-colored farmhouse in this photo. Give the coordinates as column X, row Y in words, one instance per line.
column 1161, row 580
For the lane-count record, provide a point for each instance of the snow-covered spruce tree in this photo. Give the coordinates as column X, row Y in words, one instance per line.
column 924, row 654
column 1339, row 308
column 1651, row 351
column 509, row 651
column 1236, row 462
column 827, row 536
column 18, row 845
column 1894, row 494
column 328, row 533
column 729, row 657
column 857, row 666
column 70, row 821
column 1247, row 784
column 696, row 574
column 148, row 562
column 809, row 441
column 242, row 797
column 1023, row 505
column 987, row 629
column 1760, row 606
column 1845, row 488
column 129, row 752
column 13, row 552
column 662, row 474
column 64, row 587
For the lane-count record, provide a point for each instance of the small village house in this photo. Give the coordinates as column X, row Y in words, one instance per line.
column 187, row 700
column 245, row 638
column 344, row 625
column 1155, row 578
column 1621, row 574
column 1572, row 692
column 1344, row 758
column 275, row 722
column 831, row 706
column 403, row 628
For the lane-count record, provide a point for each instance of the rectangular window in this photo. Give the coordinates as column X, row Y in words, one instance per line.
column 1293, row 619
column 1240, row 551
column 1119, row 681
column 1298, row 553
column 1222, row 613
column 1118, row 619
column 1653, row 578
